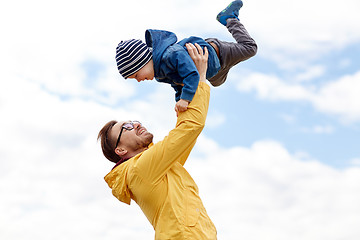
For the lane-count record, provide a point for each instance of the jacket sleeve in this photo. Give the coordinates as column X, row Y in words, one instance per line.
column 187, row 71
column 178, row 90
column 176, row 147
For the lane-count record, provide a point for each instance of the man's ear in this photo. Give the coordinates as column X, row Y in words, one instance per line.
column 120, row 151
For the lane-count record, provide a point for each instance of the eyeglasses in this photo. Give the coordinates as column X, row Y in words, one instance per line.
column 128, row 126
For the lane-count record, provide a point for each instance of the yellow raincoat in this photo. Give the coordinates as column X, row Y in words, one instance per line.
column 157, row 181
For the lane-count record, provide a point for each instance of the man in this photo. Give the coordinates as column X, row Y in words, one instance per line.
column 153, row 174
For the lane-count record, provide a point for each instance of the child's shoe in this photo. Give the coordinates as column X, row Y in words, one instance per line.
column 231, row 11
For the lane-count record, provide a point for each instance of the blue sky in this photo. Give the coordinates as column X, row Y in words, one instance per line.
column 296, row 124
column 278, row 159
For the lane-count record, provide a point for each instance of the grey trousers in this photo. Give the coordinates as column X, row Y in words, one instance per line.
column 231, row 53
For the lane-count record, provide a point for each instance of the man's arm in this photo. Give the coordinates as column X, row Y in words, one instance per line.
column 200, row 58
column 176, row 147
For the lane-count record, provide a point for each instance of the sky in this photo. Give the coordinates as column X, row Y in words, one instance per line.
column 279, row 157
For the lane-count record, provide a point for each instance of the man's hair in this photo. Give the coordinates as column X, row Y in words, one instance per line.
column 108, row 144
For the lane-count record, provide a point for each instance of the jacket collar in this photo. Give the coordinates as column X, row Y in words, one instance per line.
column 120, row 162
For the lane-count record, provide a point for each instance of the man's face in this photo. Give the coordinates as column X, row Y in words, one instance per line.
column 145, row 73
column 133, row 139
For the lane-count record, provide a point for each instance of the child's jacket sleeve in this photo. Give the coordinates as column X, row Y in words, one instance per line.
column 187, row 74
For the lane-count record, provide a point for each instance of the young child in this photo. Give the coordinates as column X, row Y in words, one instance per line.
column 167, row 60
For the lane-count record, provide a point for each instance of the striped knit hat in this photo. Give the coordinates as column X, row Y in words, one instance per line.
column 131, row 56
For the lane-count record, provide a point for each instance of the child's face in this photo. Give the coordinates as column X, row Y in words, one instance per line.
column 145, row 73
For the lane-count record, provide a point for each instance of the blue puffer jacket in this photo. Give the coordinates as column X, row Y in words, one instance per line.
column 173, row 64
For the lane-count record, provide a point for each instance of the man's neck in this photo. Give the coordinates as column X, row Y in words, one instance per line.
column 134, row 153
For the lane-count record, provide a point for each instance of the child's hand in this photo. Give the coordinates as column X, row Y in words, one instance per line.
column 181, row 105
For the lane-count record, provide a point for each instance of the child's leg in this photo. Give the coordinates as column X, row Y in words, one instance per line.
column 231, row 53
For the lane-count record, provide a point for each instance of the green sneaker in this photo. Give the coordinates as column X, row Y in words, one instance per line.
column 231, row 11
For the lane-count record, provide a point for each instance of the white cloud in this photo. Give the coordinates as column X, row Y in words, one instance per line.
column 311, row 73
column 47, row 41
column 288, row 33
column 55, row 189
column 355, row 161
column 156, row 110
column 338, row 97
column 289, row 119
column 266, row 192
column 271, row 87
column 319, row 129
column 344, row 63
column 60, row 38
column 215, row 119
column 52, row 177
column 52, row 168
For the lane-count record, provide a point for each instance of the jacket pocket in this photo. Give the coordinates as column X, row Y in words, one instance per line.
column 192, row 209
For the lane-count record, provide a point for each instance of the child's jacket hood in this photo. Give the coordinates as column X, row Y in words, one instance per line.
column 159, row 41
